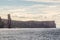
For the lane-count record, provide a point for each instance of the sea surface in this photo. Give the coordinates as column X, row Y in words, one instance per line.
column 30, row 34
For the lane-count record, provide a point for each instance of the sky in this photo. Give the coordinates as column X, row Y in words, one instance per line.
column 39, row 10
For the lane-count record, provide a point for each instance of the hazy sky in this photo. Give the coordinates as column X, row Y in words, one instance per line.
column 31, row 10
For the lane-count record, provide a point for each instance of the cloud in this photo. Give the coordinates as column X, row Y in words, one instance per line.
column 34, row 9
column 44, row 0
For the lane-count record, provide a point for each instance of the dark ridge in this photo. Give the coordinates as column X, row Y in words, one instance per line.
column 29, row 24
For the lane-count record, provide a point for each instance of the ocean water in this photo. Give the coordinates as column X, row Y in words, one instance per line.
column 30, row 34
